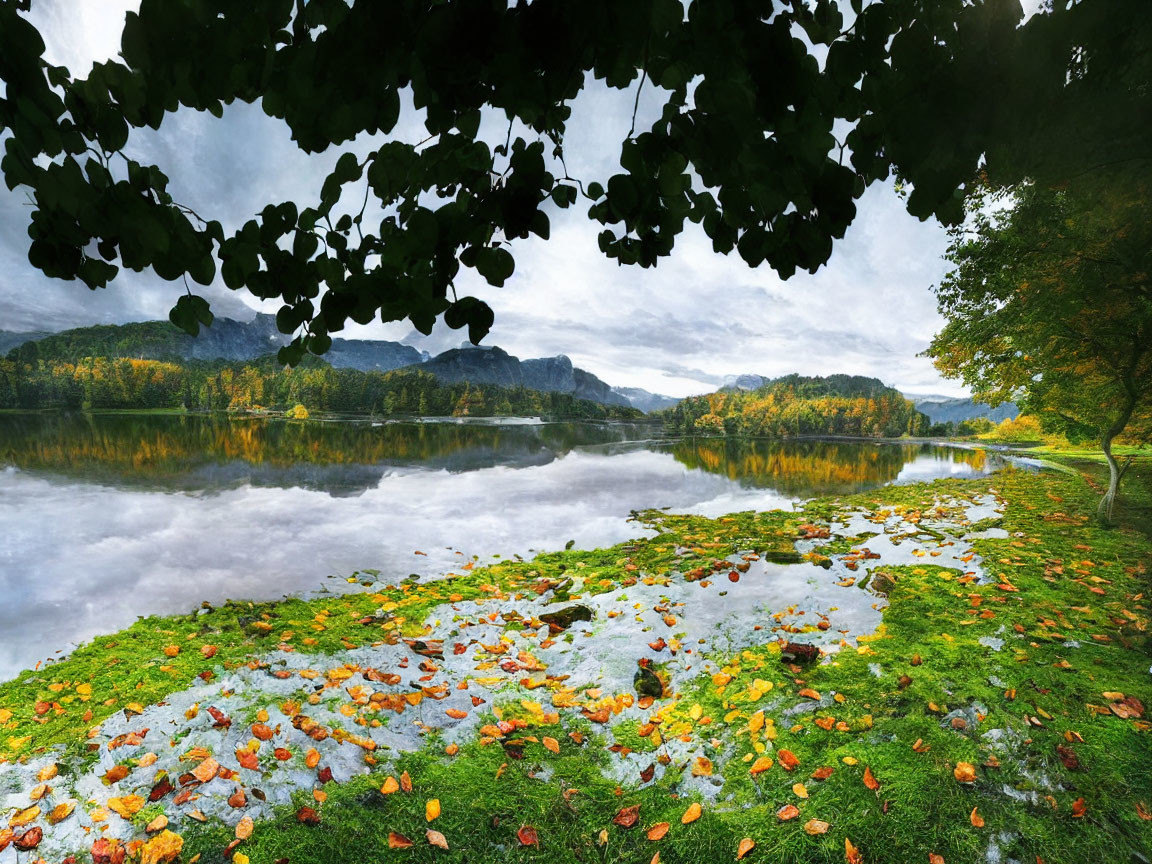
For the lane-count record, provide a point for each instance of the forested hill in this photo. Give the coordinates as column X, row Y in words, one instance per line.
column 799, row 405
column 124, row 383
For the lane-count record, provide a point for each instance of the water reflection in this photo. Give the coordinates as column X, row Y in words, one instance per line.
column 196, row 453
column 112, row 516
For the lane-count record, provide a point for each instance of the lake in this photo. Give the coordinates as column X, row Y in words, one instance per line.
column 107, row 517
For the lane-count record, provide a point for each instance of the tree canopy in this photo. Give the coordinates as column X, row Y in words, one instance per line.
column 1050, row 306
column 774, row 118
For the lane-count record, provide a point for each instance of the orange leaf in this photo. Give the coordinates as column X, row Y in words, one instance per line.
column 799, row 790
column 455, row 713
column 788, row 760
column 787, row 812
column 965, row 772
column 244, row 828
column 691, row 814
column 657, row 831
column 746, row 846
column 527, row 836
column 312, row 757
column 977, row 819
column 870, row 781
column 431, row 809
column 933, row 858
column 390, row 786
column 551, row 744
column 761, row 765
column 247, row 759
column 851, row 853
column 1078, row 808
column 815, row 826
column 398, row 841
column 809, row 693
column 823, row 773
column 405, row 782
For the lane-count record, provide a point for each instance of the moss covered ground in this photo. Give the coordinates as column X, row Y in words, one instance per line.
column 999, row 717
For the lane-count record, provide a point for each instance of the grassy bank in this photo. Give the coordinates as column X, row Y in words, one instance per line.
column 997, row 707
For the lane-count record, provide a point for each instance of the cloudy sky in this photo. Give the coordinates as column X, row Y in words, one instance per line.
column 678, row 329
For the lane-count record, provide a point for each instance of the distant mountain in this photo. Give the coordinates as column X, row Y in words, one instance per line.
column 941, row 409
column 645, row 401
column 744, row 382
column 226, row 339
column 10, row 339
column 496, row 366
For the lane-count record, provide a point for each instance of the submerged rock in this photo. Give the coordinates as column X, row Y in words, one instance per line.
column 564, row 618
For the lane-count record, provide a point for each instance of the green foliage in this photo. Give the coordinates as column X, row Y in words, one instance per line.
column 100, row 382
column 744, row 142
column 797, row 405
column 1050, row 306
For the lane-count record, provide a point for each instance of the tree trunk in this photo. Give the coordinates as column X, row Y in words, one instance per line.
column 1104, row 511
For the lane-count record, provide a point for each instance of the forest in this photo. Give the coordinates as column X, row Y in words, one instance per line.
column 263, row 385
column 800, row 405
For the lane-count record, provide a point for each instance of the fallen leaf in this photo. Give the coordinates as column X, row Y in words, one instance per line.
column 976, row 819
column 398, row 841
column 206, row 770
column 307, row 816
column 405, row 782
column 244, row 828
column 126, row 806
column 933, row 858
column 551, row 744
column 702, row 767
column 390, row 786
column 1079, row 808
column 869, row 780
column 851, row 853
column 164, row 847
column 691, row 814
column 787, row 812
column 435, row 838
column 809, row 693
column 746, row 846
column 627, row 817
column 762, row 764
column 431, row 809
column 30, row 839
column 61, row 812
column 815, row 826
column 788, row 760
column 157, row 824
column 108, row 850
column 527, row 836
column 823, row 773
column 24, row 817
column 657, row 831
column 965, row 772
column 799, row 790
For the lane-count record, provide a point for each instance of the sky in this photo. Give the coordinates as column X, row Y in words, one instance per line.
column 685, row 327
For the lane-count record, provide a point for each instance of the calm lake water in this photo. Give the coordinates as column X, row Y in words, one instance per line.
column 107, row 517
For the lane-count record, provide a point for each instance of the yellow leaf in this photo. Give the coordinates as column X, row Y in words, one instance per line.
column 61, row 811
column 239, row 858
column 24, row 817
column 126, row 806
column 162, row 848
column 551, row 744
column 47, row 772
column 432, row 809
column 800, row 790
column 702, row 767
column 816, row 826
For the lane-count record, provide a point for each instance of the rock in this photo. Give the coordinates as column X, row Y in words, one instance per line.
column 647, row 683
column 799, row 652
column 564, row 618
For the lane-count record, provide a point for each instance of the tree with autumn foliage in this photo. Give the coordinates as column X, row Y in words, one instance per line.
column 1050, row 306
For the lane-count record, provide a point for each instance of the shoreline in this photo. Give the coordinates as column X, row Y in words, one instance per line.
column 251, row 660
